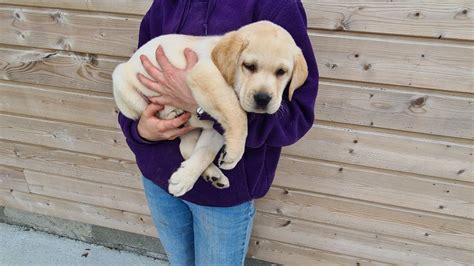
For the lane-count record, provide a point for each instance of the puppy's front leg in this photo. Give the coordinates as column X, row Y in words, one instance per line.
column 207, row 146
column 214, row 95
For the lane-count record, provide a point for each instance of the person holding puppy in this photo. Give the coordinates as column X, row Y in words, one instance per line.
column 210, row 226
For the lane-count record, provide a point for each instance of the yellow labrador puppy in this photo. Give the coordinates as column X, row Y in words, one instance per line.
column 242, row 71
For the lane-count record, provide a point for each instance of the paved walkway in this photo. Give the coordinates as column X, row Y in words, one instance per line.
column 21, row 246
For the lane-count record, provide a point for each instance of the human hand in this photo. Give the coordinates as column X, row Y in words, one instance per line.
column 170, row 81
column 152, row 128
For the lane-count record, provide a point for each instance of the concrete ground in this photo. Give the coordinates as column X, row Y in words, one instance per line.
column 24, row 246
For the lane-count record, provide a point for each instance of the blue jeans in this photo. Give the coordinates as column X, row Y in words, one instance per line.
column 199, row 235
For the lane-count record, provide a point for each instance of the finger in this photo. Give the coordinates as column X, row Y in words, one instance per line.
column 175, row 122
column 152, row 70
column 152, row 85
column 163, row 100
column 191, row 58
column 163, row 60
column 180, row 131
column 152, row 109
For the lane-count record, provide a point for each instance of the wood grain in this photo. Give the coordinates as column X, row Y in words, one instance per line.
column 399, row 189
column 288, row 254
column 386, row 150
column 60, row 69
column 68, row 136
column 353, row 243
column 327, row 142
column 76, row 211
column 116, row 6
column 142, row 224
column 85, row 108
column 395, row 61
column 430, row 113
column 348, row 211
column 68, row 163
column 409, row 111
column 12, row 178
column 434, row 19
column 345, row 57
column 69, row 30
column 99, row 194
column 357, row 184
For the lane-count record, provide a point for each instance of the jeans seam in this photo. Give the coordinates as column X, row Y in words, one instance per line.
column 247, row 228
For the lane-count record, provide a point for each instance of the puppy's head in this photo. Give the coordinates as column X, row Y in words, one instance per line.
column 259, row 61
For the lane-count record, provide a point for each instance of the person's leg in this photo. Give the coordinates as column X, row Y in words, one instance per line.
column 221, row 235
column 174, row 223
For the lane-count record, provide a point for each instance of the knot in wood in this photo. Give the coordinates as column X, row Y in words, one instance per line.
column 286, row 223
column 331, row 66
column 418, row 102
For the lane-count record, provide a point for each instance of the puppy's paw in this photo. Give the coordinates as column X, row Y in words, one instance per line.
column 229, row 157
column 181, row 182
column 215, row 176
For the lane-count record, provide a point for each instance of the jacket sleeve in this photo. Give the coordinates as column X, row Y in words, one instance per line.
column 129, row 126
column 295, row 118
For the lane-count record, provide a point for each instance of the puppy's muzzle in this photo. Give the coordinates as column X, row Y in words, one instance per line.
column 262, row 100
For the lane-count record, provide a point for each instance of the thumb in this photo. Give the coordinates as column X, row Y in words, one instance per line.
column 152, row 109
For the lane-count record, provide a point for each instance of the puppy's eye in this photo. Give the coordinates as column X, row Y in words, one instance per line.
column 280, row 72
column 250, row 67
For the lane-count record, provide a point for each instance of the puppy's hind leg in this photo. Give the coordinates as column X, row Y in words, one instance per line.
column 212, row 174
column 205, row 151
column 127, row 98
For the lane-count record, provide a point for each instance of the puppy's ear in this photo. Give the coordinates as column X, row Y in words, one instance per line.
column 226, row 54
column 300, row 73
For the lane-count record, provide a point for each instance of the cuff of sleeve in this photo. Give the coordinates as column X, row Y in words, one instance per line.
column 136, row 136
column 217, row 126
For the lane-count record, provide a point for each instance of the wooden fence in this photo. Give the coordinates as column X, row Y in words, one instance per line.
column 385, row 176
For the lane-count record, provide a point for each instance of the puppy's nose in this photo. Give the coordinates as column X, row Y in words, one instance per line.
column 262, row 100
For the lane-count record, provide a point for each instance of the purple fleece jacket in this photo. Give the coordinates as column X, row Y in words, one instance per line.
column 267, row 134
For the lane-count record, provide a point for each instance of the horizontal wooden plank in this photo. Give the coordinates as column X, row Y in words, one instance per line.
column 84, row 108
column 288, row 254
column 328, row 208
column 362, row 105
column 352, row 243
column 397, row 189
column 387, row 150
column 12, row 178
column 69, row 30
column 437, row 114
column 434, row 19
column 67, row 163
column 395, row 61
column 81, row 212
column 327, row 142
column 117, row 6
column 55, row 68
column 345, row 57
column 68, row 136
column 100, row 194
column 410, row 111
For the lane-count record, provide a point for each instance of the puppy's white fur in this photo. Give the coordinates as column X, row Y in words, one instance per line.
column 224, row 85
